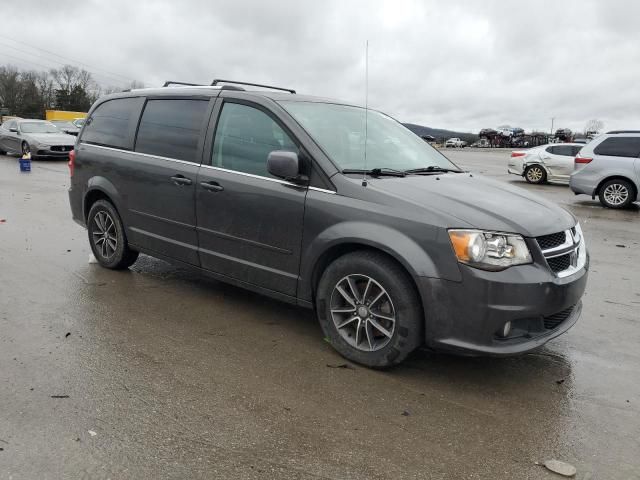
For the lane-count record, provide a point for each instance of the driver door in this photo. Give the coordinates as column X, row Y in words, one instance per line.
column 249, row 223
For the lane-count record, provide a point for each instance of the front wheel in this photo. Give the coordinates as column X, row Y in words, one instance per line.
column 535, row 174
column 369, row 309
column 617, row 193
column 107, row 237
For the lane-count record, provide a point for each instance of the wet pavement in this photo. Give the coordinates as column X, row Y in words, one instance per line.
column 164, row 374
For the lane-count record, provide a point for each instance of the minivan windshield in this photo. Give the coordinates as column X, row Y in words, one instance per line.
column 340, row 132
column 38, row 127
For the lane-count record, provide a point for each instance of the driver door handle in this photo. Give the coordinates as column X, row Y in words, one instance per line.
column 181, row 180
column 212, row 186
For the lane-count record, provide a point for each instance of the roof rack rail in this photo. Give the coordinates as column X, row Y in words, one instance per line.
column 219, row 80
column 171, row 82
column 623, row 131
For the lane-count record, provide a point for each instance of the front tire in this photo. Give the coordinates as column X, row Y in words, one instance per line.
column 617, row 193
column 535, row 174
column 107, row 237
column 369, row 309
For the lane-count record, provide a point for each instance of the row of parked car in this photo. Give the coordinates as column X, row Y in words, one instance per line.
column 608, row 167
column 40, row 138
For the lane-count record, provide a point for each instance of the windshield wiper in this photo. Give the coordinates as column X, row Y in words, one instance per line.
column 377, row 172
column 432, row 169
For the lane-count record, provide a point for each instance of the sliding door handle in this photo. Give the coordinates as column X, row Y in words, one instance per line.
column 212, row 186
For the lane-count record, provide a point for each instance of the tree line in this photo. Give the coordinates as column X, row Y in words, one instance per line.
column 28, row 93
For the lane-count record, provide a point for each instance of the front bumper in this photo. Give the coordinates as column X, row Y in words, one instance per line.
column 466, row 316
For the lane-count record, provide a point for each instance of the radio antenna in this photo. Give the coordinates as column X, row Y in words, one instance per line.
column 366, row 111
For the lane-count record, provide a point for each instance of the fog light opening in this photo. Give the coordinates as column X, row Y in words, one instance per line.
column 505, row 330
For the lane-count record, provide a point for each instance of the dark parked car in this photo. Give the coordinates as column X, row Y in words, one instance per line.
column 66, row 127
column 272, row 192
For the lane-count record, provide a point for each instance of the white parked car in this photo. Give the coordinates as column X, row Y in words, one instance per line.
column 547, row 163
column 455, row 143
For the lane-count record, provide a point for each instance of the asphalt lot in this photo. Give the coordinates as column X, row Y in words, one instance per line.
column 169, row 375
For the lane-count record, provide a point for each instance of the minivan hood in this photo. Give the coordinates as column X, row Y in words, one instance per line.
column 480, row 202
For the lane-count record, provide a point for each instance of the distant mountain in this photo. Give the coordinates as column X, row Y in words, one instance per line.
column 440, row 133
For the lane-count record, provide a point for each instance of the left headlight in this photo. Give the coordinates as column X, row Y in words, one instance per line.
column 489, row 250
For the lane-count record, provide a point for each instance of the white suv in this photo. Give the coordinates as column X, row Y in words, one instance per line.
column 609, row 167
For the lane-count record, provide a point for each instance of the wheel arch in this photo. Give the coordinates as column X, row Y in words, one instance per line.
column 99, row 188
column 596, row 192
column 346, row 238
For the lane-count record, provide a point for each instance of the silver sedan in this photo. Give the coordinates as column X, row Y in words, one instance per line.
column 38, row 137
column 547, row 163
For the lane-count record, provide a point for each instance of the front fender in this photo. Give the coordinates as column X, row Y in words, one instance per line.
column 398, row 245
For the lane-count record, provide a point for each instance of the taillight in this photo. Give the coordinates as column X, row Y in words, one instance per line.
column 517, row 154
column 580, row 159
column 72, row 162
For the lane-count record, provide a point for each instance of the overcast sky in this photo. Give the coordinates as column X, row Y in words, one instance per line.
column 459, row 65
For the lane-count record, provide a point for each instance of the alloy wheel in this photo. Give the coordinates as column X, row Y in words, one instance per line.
column 104, row 234
column 616, row 194
column 363, row 312
column 535, row 174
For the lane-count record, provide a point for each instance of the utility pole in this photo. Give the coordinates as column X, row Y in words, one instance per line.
column 552, row 119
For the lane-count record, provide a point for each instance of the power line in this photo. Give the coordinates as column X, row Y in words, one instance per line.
column 128, row 79
column 49, row 67
column 61, row 63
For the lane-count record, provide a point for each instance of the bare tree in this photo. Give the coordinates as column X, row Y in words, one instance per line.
column 593, row 126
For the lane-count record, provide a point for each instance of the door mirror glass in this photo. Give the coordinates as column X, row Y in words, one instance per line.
column 283, row 164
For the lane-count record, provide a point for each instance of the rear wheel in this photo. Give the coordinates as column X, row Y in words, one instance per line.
column 535, row 174
column 369, row 309
column 107, row 238
column 617, row 193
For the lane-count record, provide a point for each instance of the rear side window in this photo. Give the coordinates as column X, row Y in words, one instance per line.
column 575, row 149
column 172, row 128
column 619, row 147
column 113, row 123
column 566, row 150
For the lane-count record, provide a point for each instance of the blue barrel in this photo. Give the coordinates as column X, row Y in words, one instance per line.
column 25, row 164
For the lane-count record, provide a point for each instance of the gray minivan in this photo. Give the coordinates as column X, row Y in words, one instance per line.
column 332, row 207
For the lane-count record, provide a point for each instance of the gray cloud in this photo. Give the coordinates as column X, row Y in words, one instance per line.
column 463, row 66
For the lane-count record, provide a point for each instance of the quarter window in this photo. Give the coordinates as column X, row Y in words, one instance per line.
column 172, row 128
column 619, row 147
column 112, row 124
column 244, row 138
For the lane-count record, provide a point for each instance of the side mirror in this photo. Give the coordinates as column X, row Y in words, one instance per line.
column 286, row 165
column 13, row 129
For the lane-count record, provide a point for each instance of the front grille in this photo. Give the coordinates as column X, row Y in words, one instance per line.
column 551, row 241
column 552, row 321
column 62, row 148
column 558, row 264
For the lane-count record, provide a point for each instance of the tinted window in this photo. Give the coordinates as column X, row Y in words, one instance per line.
column 575, row 149
column 566, row 150
column 551, row 149
column 244, row 138
column 172, row 128
column 113, row 122
column 619, row 147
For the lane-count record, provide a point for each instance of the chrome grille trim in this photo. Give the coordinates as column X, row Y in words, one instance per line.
column 573, row 246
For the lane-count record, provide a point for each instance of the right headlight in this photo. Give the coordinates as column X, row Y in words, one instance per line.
column 489, row 250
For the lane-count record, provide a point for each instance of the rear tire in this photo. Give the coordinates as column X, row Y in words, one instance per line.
column 617, row 193
column 368, row 307
column 535, row 174
column 107, row 237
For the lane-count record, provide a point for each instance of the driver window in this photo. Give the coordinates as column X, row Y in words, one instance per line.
column 244, row 138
